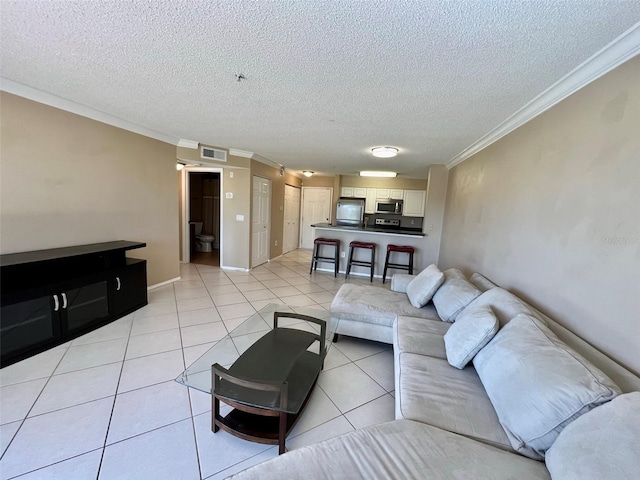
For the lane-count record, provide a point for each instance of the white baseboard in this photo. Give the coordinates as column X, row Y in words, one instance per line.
column 162, row 284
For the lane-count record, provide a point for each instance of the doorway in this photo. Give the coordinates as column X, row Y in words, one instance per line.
column 260, row 221
column 291, row 233
column 316, row 208
column 202, row 214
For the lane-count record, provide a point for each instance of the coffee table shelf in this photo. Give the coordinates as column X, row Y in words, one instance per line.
column 273, row 361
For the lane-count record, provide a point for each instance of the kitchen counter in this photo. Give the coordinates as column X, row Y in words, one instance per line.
column 381, row 237
column 371, row 230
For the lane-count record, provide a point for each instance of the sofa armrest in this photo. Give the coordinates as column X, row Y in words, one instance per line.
column 400, row 281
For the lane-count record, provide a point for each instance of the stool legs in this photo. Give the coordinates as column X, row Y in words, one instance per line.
column 401, row 266
column 361, row 263
column 317, row 258
column 386, row 265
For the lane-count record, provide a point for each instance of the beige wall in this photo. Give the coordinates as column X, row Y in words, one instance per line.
column 236, row 234
column 552, row 211
column 68, row 180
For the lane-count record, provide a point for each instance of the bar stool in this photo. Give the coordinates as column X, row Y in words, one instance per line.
column 363, row 263
column 400, row 266
column 316, row 254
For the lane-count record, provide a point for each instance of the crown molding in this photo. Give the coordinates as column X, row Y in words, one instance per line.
column 240, row 153
column 188, row 144
column 623, row 48
column 39, row 96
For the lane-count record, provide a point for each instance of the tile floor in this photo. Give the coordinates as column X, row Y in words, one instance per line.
column 106, row 405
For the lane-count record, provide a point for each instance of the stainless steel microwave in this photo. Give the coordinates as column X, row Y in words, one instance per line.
column 388, row 205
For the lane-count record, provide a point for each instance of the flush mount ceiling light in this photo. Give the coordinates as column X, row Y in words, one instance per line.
column 378, row 174
column 384, row 152
column 308, row 173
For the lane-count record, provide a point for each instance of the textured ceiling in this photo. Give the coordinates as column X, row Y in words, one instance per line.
column 325, row 80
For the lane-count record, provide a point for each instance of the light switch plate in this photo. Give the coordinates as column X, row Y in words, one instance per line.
column 240, row 218
column 228, row 195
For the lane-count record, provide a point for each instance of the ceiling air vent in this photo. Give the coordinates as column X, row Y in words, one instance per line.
column 213, row 154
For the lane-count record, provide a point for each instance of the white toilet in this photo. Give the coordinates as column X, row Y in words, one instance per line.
column 204, row 243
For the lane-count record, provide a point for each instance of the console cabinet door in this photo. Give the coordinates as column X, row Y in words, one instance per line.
column 28, row 323
column 130, row 286
column 85, row 305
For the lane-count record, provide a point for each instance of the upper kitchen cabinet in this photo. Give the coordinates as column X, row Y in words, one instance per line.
column 414, row 201
column 370, row 203
column 393, row 193
column 346, row 192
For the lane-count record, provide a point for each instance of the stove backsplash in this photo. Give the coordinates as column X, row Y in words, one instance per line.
column 405, row 222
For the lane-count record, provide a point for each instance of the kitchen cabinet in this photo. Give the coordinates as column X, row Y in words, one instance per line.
column 360, row 192
column 414, row 201
column 370, row 200
column 346, row 192
column 393, row 193
column 383, row 193
column 49, row 297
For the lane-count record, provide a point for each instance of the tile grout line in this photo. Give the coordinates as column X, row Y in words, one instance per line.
column 115, row 399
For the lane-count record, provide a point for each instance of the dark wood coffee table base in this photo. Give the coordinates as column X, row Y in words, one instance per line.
column 269, row 385
column 258, row 425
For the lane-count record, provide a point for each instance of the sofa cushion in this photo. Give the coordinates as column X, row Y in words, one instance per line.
column 420, row 335
column 398, row 449
column 400, row 281
column 454, row 294
column 505, row 305
column 429, row 390
column 365, row 303
column 421, row 289
column 602, row 443
column 537, row 384
column 481, row 282
column 472, row 330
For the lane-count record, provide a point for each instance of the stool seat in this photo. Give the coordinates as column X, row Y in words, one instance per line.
column 316, row 257
column 400, row 266
column 362, row 263
column 400, row 248
column 356, row 244
column 326, row 241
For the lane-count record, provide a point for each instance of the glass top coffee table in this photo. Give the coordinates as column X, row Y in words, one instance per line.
column 265, row 369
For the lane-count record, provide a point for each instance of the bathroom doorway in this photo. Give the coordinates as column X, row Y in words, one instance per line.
column 203, row 217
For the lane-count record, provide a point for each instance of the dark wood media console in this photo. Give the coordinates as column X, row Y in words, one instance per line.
column 49, row 297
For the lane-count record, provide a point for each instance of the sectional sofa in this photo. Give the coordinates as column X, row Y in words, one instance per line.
column 486, row 386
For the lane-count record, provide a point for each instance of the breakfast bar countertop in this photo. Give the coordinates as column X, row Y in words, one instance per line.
column 372, row 230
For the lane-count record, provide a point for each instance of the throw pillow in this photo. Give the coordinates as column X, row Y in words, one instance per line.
column 472, row 330
column 602, row 443
column 537, row 384
column 454, row 294
column 421, row 288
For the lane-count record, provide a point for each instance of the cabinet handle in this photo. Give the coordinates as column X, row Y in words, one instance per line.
column 56, row 303
column 64, row 300
column 118, row 285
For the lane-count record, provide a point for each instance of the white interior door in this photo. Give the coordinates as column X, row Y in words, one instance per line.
column 291, row 231
column 260, row 221
column 316, row 208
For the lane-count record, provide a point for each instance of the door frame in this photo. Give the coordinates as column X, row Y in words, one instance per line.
column 186, row 204
column 251, row 265
column 331, row 208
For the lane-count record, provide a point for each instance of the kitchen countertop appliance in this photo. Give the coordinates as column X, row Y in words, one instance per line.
column 350, row 211
column 388, row 205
